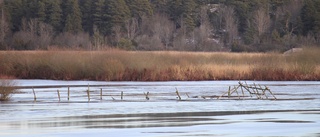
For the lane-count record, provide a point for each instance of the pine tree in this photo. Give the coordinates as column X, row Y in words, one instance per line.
column 316, row 29
column 31, row 9
column 41, row 14
column 87, row 9
column 183, row 13
column 307, row 16
column 189, row 14
column 159, row 6
column 139, row 8
column 175, row 11
column 100, row 17
column 73, row 22
column 16, row 12
column 118, row 12
column 4, row 27
column 54, row 14
column 68, row 27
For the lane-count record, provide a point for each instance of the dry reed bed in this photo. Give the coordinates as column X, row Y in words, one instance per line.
column 159, row 66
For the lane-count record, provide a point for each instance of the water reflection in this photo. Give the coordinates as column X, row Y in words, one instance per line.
column 148, row 120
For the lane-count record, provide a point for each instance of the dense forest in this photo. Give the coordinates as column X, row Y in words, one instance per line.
column 183, row 25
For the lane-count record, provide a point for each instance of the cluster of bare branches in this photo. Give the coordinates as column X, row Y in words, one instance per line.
column 257, row 90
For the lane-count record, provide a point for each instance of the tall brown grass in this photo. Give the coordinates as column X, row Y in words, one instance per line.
column 159, row 66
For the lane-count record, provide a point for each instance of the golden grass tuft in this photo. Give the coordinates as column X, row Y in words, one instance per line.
column 6, row 89
column 115, row 65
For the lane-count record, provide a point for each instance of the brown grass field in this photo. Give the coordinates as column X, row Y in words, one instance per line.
column 115, row 65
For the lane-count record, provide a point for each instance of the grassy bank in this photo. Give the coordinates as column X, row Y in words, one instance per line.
column 159, row 66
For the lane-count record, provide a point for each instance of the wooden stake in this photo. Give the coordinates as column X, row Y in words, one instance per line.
column 100, row 93
column 68, row 93
column 263, row 91
column 257, row 91
column 223, row 94
column 271, row 92
column 229, row 94
column 34, row 95
column 236, row 89
column 121, row 95
column 187, row 95
column 242, row 92
column 88, row 93
column 147, row 95
column 177, row 92
column 58, row 94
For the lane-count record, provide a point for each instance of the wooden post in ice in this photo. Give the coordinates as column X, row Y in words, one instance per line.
column 121, row 95
column 229, row 94
column 147, row 95
column 58, row 94
column 177, row 92
column 68, row 93
column 34, row 95
column 100, row 93
column 88, row 92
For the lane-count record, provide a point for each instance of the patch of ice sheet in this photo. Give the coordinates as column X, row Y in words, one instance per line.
column 16, row 116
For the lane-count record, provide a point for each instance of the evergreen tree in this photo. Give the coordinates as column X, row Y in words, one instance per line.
column 183, row 13
column 100, row 17
column 31, row 10
column 41, row 14
column 308, row 16
column 242, row 11
column 16, row 13
column 118, row 12
column 54, row 14
column 140, row 8
column 175, row 10
column 159, row 6
column 316, row 28
column 73, row 22
column 87, row 9
column 189, row 14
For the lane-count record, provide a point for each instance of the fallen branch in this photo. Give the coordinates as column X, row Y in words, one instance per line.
column 257, row 90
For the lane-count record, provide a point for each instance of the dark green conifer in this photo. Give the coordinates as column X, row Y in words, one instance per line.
column 54, row 14
column 73, row 22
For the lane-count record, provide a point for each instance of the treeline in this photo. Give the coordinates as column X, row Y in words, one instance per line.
column 186, row 25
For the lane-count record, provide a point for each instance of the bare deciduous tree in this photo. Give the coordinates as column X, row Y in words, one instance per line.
column 27, row 37
column 132, row 27
column 97, row 39
column 261, row 20
column 290, row 14
column 41, row 33
column 149, row 42
column 228, row 24
column 45, row 34
column 74, row 41
column 117, row 33
column 164, row 29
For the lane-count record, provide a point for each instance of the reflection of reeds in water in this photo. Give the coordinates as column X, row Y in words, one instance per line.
column 159, row 66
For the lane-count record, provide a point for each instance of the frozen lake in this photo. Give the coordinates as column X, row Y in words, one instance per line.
column 296, row 112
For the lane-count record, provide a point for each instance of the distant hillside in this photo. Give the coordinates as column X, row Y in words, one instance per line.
column 182, row 25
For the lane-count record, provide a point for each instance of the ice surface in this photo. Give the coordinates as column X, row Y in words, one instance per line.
column 296, row 113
